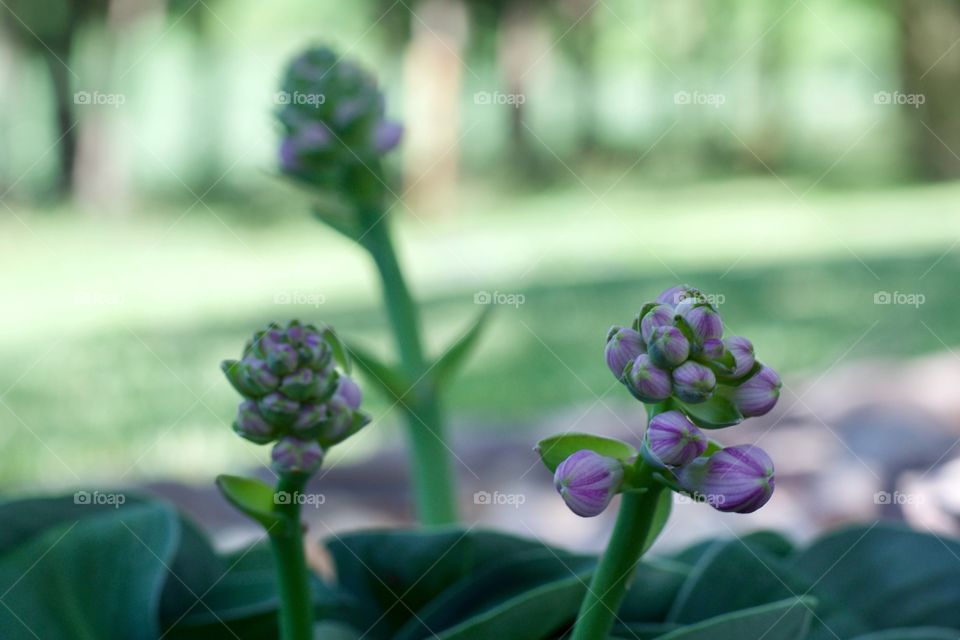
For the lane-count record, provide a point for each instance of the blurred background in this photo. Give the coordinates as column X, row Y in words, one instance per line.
column 565, row 161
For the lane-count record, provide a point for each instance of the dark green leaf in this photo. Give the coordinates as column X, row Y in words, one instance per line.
column 914, row 633
column 491, row 586
column 556, row 449
column 882, row 577
column 785, row 620
column 539, row 612
column 717, row 583
column 392, row 573
column 99, row 577
column 652, row 591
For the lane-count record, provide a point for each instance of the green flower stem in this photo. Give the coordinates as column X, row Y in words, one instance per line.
column 433, row 477
column 286, row 540
column 612, row 577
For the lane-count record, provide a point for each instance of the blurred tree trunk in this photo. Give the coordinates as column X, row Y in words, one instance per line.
column 65, row 119
column 433, row 76
column 517, row 55
column 930, row 67
column 583, row 45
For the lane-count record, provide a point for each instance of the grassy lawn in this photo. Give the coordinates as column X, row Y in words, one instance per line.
column 114, row 327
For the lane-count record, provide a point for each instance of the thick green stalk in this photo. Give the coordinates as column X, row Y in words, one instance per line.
column 618, row 564
column 286, row 540
column 433, row 478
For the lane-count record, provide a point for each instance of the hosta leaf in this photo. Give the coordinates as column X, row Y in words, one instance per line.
column 785, row 620
column 882, row 577
column 99, row 577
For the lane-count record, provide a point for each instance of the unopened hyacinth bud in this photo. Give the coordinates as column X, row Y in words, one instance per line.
column 738, row 479
column 675, row 295
column 693, row 382
column 292, row 455
column 703, row 320
column 674, row 440
column 332, row 114
column 712, row 348
column 668, row 347
column 659, row 316
column 647, row 382
column 742, row 351
column 292, row 388
column 623, row 347
column 587, row 481
column 758, row 395
column 251, row 425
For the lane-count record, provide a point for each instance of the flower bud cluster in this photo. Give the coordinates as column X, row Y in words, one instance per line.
column 294, row 395
column 676, row 350
column 332, row 114
column 676, row 359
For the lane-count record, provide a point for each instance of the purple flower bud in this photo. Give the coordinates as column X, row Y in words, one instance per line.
column 742, row 351
column 339, row 419
column 703, row 321
column 693, row 382
column 278, row 409
column 251, row 425
column 668, row 347
column 712, row 348
column 759, row 394
column 258, row 376
column 675, row 440
column 349, row 392
column 386, row 136
column 587, row 481
column 309, row 417
column 647, row 382
column 738, row 479
column 314, row 137
column 280, row 356
column 288, row 156
column 623, row 346
column 659, row 316
column 292, row 455
column 299, row 385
